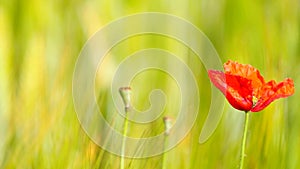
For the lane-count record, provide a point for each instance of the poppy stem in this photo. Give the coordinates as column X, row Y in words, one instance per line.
column 168, row 125
column 122, row 164
column 244, row 140
column 125, row 93
column 164, row 155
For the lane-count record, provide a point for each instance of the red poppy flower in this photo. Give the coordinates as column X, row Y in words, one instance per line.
column 245, row 89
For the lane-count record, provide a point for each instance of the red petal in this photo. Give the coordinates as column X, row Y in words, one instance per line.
column 237, row 89
column 218, row 79
column 271, row 91
column 239, row 92
column 245, row 70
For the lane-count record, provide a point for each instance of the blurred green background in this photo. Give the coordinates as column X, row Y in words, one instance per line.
column 39, row 44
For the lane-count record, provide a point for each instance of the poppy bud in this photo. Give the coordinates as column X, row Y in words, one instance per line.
column 168, row 125
column 125, row 93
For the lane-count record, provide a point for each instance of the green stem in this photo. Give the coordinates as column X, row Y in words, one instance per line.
column 244, row 140
column 164, row 154
column 122, row 163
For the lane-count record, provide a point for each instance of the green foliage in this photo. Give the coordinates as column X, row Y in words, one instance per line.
column 39, row 44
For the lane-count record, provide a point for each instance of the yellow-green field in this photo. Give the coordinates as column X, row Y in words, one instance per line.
column 41, row 40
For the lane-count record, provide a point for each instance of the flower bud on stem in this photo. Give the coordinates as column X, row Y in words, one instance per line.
column 125, row 93
column 168, row 126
